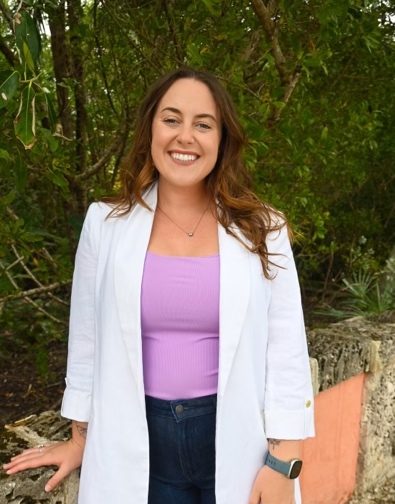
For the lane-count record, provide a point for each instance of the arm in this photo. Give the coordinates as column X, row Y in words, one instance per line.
column 76, row 403
column 67, row 455
column 288, row 411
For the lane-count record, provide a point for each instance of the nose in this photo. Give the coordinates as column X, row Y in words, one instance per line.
column 186, row 134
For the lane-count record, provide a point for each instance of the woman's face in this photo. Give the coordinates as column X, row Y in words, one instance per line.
column 186, row 132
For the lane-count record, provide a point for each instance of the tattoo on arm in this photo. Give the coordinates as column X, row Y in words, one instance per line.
column 82, row 430
column 273, row 443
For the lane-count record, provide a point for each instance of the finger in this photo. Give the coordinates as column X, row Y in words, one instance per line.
column 52, row 483
column 25, row 456
column 254, row 497
column 31, row 462
column 37, row 449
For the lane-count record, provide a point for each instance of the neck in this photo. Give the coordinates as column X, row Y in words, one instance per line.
column 175, row 198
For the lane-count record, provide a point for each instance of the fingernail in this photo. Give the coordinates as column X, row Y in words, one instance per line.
column 47, row 488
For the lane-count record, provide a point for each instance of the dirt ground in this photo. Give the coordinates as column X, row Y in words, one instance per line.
column 23, row 391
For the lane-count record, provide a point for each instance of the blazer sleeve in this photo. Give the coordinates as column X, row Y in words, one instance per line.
column 76, row 403
column 289, row 402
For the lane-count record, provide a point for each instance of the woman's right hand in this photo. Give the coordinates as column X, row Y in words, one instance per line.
column 66, row 455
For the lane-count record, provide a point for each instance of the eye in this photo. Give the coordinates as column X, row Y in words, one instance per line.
column 203, row 126
column 171, row 121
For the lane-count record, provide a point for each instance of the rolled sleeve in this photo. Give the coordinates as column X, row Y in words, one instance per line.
column 289, row 402
column 76, row 403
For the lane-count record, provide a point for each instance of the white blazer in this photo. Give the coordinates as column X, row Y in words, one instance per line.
column 264, row 388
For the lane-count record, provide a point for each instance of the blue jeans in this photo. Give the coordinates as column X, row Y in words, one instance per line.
column 182, row 450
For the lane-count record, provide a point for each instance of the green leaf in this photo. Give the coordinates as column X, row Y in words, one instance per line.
column 52, row 116
column 28, row 57
column 8, row 88
column 25, row 121
column 212, row 6
column 26, row 32
column 7, row 199
column 58, row 179
column 324, row 133
column 4, row 155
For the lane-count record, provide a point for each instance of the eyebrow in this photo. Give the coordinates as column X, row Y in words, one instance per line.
column 199, row 116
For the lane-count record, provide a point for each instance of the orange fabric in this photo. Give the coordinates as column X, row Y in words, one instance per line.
column 330, row 459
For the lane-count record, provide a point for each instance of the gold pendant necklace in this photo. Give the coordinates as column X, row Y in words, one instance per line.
column 190, row 234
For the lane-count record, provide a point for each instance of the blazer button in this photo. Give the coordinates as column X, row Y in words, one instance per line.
column 179, row 409
column 308, row 404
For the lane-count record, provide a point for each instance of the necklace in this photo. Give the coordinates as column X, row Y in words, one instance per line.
column 190, row 234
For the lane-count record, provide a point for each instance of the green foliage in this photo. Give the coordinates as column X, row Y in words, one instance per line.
column 9, row 88
column 322, row 153
column 25, row 121
column 365, row 295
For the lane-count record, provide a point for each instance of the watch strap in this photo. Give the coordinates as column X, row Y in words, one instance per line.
column 289, row 469
column 277, row 464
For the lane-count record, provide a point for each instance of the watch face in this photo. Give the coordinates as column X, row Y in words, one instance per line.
column 296, row 467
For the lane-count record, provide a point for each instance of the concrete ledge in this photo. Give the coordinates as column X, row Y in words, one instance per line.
column 345, row 349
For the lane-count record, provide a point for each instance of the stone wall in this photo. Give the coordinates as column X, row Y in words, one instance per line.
column 345, row 349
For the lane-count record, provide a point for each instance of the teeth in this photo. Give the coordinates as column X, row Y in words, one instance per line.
column 183, row 157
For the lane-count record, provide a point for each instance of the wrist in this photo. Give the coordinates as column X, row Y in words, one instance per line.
column 285, row 449
column 288, row 468
column 78, row 433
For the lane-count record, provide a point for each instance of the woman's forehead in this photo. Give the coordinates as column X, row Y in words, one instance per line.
column 189, row 96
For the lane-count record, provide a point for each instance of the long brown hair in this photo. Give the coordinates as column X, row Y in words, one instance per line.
column 229, row 183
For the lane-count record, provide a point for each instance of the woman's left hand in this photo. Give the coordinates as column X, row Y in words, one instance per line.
column 271, row 487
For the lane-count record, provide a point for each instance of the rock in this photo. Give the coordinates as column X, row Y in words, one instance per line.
column 28, row 487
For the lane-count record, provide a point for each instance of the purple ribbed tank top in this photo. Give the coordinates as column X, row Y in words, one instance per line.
column 180, row 325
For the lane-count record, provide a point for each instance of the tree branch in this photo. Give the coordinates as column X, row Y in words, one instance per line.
column 9, row 55
column 172, row 28
column 25, row 296
column 37, row 291
column 266, row 14
column 31, row 275
column 95, row 168
column 101, row 64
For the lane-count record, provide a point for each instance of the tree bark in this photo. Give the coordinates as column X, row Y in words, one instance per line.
column 61, row 65
column 75, row 14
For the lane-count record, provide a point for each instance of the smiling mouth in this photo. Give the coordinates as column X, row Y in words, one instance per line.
column 183, row 158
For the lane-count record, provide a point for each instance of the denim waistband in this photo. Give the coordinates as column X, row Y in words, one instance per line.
column 181, row 409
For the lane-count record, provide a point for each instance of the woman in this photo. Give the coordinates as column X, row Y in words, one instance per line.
column 188, row 378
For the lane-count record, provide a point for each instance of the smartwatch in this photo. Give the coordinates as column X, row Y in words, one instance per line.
column 289, row 469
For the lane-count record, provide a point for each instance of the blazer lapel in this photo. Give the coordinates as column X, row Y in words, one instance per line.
column 234, row 298
column 133, row 238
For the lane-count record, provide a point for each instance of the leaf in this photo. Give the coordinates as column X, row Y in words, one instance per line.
column 324, row 133
column 8, row 88
column 212, row 6
column 26, row 32
column 4, row 155
column 52, row 116
column 28, row 57
column 58, row 179
column 25, row 121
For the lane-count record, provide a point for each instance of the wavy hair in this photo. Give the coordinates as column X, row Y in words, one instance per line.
column 228, row 184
